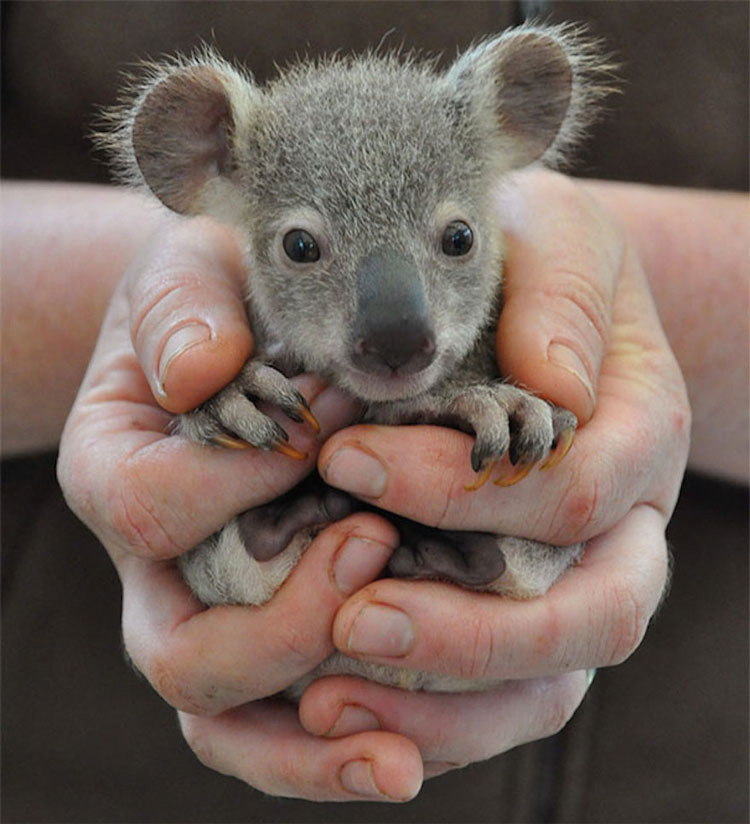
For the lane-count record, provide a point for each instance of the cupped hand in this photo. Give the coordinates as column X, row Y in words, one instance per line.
column 176, row 330
column 579, row 327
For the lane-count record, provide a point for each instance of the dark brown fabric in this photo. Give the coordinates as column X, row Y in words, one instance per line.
column 662, row 738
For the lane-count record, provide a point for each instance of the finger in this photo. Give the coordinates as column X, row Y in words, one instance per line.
column 207, row 660
column 562, row 262
column 264, row 745
column 451, row 730
column 594, row 616
column 188, row 321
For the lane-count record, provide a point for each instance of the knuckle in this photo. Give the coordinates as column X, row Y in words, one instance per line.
column 135, row 517
column 559, row 704
column 168, row 284
column 629, row 619
column 582, row 301
column 71, row 476
column 582, row 509
column 168, row 676
column 302, row 645
column 292, row 775
column 195, row 735
column 680, row 418
column 477, row 657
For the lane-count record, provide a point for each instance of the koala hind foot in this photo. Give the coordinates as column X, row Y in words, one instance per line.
column 516, row 567
column 251, row 556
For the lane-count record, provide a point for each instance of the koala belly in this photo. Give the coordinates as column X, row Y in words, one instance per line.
column 250, row 557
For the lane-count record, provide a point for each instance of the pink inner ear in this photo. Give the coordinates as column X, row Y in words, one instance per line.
column 536, row 86
column 181, row 135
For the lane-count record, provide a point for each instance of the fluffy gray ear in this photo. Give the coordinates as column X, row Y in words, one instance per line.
column 181, row 130
column 530, row 91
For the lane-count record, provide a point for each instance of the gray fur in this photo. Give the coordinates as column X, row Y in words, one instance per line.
column 373, row 156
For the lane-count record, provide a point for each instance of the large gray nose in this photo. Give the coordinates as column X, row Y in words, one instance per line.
column 392, row 331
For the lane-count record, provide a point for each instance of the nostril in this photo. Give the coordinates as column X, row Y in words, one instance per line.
column 361, row 347
column 427, row 345
column 394, row 349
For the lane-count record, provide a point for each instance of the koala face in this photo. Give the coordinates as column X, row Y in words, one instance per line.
column 373, row 259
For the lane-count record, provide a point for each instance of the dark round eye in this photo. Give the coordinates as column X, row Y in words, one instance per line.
column 301, row 247
column 457, row 239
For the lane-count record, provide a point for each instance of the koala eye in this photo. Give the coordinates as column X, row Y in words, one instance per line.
column 301, row 247
column 457, row 239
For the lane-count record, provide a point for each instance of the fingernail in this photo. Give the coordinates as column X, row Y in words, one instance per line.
column 590, row 675
column 353, row 718
column 358, row 777
column 180, row 341
column 357, row 562
column 563, row 356
column 381, row 631
column 356, row 471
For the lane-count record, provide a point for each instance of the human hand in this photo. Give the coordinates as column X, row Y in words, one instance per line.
column 265, row 745
column 578, row 326
column 176, row 329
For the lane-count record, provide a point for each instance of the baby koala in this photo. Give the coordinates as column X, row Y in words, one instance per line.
column 361, row 186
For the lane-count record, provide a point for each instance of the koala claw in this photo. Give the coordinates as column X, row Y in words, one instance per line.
column 306, row 413
column 229, row 442
column 561, row 447
column 484, row 476
column 278, row 446
column 520, row 471
column 289, row 451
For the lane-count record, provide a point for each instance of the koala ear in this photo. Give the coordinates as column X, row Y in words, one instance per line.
column 180, row 132
column 181, row 135
column 525, row 90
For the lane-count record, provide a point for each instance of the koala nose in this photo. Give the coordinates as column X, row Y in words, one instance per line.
column 405, row 346
column 392, row 330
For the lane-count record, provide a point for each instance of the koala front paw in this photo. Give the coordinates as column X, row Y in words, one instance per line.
column 510, row 420
column 230, row 418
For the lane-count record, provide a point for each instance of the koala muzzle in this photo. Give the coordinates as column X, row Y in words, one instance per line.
column 393, row 331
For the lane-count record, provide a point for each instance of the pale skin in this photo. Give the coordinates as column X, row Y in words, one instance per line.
column 617, row 486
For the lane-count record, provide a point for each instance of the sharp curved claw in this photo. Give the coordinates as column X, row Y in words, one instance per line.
column 564, row 442
column 305, row 412
column 289, row 451
column 521, row 470
column 229, row 442
column 484, row 476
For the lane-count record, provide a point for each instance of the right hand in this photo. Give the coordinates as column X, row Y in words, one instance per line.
column 149, row 498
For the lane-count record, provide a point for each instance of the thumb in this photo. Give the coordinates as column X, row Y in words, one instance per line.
column 188, row 323
column 562, row 261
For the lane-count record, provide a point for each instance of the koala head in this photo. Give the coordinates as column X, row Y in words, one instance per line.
column 360, row 185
